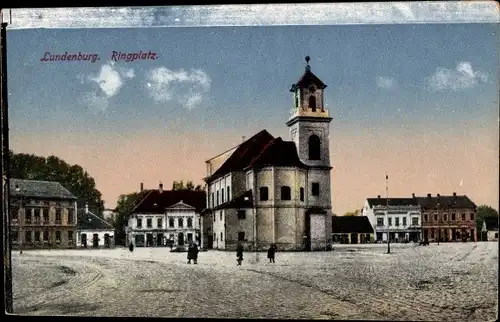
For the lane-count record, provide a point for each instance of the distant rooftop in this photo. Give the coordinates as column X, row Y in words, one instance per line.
column 39, row 189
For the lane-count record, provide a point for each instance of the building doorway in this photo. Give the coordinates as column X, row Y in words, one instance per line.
column 180, row 239
column 95, row 240
column 354, row 238
column 472, row 235
column 453, row 235
column 84, row 240
column 106, row 241
column 210, row 242
column 149, row 240
column 159, row 240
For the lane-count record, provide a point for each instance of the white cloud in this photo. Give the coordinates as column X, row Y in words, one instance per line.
column 187, row 87
column 109, row 81
column 386, row 82
column 462, row 77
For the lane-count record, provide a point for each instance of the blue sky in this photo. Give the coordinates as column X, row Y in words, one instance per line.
column 440, row 78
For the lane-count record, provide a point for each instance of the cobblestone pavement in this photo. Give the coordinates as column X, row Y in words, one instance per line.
column 447, row 282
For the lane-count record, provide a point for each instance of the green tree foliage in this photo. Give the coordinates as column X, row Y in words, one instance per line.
column 179, row 185
column 483, row 212
column 72, row 177
column 356, row 212
column 124, row 206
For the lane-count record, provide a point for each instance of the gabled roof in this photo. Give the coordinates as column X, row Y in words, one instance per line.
column 277, row 153
column 395, row 202
column 243, row 155
column 156, row 202
column 39, row 189
column 491, row 223
column 244, row 200
column 181, row 205
column 446, row 202
column 351, row 224
column 90, row 221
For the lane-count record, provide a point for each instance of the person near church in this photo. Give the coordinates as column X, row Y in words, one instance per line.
column 271, row 252
column 239, row 254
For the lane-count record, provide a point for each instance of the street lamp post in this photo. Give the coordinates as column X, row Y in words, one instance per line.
column 20, row 238
column 387, row 209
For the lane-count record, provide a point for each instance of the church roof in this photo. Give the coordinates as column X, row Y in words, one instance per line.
column 277, row 153
column 244, row 154
column 307, row 79
column 156, row 201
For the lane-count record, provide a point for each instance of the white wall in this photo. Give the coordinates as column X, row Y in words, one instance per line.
column 318, row 232
column 218, row 228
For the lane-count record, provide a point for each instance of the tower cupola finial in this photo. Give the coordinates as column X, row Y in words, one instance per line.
column 308, row 67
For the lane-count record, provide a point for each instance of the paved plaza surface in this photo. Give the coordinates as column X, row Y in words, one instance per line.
column 446, row 282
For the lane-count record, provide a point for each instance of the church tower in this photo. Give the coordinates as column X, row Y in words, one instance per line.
column 309, row 126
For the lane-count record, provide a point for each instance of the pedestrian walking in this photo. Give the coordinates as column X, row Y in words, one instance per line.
column 190, row 253
column 131, row 247
column 195, row 253
column 271, row 252
column 239, row 254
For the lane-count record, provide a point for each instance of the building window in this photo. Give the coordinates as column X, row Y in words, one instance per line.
column 171, row 222
column 241, row 236
column 432, row 233
column 45, row 214
column 390, row 221
column 70, row 216
column 463, row 216
column 14, row 236
column 58, row 236
column 28, row 216
column 222, row 195
column 37, row 236
column 302, row 194
column 397, row 221
column 180, row 222
column 496, row 235
column 264, row 193
column 220, row 215
column 70, row 236
column 214, row 217
column 453, row 217
column 228, row 193
column 426, row 218
column 190, row 222
column 190, row 237
column 37, row 215
column 159, row 222
column 286, row 193
column 221, row 237
column 139, row 223
column 58, row 216
column 445, row 217
column 315, row 189
column 380, row 222
column 435, row 217
column 414, row 221
column 28, row 236
column 242, row 214
column 213, row 200
column 471, row 216
column 149, row 222
column 312, row 103
column 217, row 198
column 45, row 236
column 14, row 213
column 314, row 147
column 404, row 221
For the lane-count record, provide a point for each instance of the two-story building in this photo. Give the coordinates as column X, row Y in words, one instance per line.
column 43, row 215
column 164, row 217
column 93, row 231
column 398, row 219
column 270, row 191
column 448, row 218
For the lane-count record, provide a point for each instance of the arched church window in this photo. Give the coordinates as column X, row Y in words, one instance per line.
column 312, row 103
column 314, row 147
column 286, row 193
column 296, row 100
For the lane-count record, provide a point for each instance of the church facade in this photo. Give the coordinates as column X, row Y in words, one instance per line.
column 271, row 191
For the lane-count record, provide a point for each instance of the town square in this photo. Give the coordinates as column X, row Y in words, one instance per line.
column 341, row 170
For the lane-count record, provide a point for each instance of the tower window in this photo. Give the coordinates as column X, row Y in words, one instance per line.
column 314, row 147
column 312, row 103
column 264, row 193
column 301, row 194
column 315, row 189
column 286, row 193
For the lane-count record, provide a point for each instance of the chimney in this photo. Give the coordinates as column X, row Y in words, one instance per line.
column 438, row 195
column 428, row 195
column 378, row 196
column 160, row 187
column 142, row 186
column 86, row 208
column 454, row 194
column 413, row 195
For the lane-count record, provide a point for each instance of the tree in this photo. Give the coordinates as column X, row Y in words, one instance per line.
column 353, row 213
column 483, row 212
column 72, row 177
column 179, row 185
column 124, row 206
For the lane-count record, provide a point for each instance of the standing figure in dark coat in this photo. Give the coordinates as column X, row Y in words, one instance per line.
column 131, row 247
column 195, row 251
column 239, row 254
column 270, row 253
column 190, row 253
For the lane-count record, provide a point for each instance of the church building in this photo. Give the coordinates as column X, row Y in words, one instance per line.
column 271, row 191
